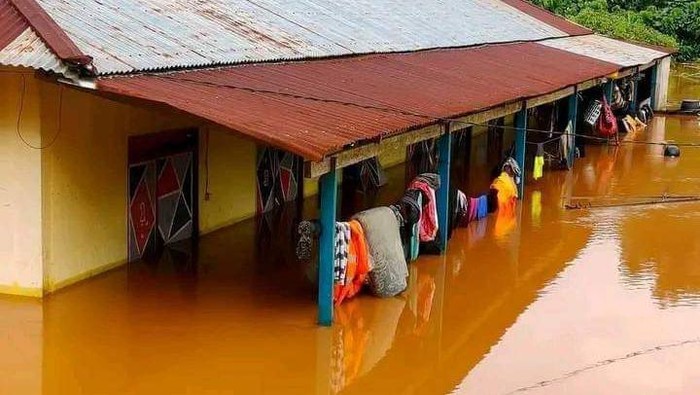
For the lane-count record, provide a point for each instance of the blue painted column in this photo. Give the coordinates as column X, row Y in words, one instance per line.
column 654, row 70
column 328, row 189
column 444, row 144
column 520, row 142
column 573, row 118
column 608, row 89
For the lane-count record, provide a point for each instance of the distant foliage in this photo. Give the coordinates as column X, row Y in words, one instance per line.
column 670, row 23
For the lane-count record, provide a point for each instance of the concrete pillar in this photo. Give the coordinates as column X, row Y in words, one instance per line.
column 659, row 84
column 653, row 71
column 520, row 142
column 328, row 190
column 444, row 143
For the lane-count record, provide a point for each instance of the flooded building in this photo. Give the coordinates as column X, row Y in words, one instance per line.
column 129, row 126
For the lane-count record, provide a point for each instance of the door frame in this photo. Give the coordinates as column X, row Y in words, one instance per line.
column 151, row 146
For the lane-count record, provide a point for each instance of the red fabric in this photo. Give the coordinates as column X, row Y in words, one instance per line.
column 607, row 123
column 428, row 222
column 358, row 265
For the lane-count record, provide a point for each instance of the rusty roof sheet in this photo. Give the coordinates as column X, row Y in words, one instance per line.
column 28, row 50
column 607, row 49
column 318, row 108
column 127, row 36
column 12, row 23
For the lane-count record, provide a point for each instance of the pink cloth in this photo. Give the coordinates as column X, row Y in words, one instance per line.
column 428, row 222
column 473, row 205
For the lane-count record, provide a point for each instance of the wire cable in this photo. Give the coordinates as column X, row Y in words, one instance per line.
column 20, row 112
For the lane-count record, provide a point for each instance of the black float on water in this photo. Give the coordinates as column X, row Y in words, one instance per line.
column 671, row 150
column 690, row 106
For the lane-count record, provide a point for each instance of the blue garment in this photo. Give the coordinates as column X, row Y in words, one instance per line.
column 482, row 207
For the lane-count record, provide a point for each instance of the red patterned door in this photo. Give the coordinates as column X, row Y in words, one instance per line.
column 162, row 207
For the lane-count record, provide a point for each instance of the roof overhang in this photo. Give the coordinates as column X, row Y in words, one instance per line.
column 320, row 108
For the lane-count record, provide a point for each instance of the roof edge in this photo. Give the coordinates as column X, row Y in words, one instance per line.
column 666, row 50
column 51, row 33
column 548, row 17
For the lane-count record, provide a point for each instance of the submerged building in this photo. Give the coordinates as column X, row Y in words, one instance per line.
column 127, row 126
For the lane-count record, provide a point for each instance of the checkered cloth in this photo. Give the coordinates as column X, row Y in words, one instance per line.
column 342, row 242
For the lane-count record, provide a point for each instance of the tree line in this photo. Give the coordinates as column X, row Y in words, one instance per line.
column 670, row 23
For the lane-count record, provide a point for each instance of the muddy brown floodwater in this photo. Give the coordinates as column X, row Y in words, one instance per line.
column 600, row 301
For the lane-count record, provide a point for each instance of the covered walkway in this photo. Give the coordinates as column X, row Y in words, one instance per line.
column 337, row 112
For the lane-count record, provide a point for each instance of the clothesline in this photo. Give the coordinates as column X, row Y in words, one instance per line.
column 554, row 139
column 595, row 138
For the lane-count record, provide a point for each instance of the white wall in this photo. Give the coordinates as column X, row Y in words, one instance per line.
column 663, row 72
column 20, row 186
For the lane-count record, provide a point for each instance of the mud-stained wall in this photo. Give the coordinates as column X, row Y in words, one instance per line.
column 20, row 184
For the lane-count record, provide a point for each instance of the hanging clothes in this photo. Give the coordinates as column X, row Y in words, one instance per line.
column 340, row 263
column 387, row 277
column 567, row 142
column 539, row 162
column 415, row 230
column 462, row 208
column 515, row 168
column 358, row 266
column 473, row 208
column 408, row 211
column 482, row 207
column 427, row 183
column 607, row 123
column 507, row 192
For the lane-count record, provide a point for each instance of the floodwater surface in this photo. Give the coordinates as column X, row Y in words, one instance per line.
column 551, row 301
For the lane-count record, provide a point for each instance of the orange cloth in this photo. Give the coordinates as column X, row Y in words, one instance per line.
column 358, row 264
column 507, row 192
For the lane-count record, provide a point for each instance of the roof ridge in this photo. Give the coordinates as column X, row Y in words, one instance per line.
column 51, row 33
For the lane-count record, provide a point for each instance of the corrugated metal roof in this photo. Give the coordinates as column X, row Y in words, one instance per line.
column 28, row 50
column 607, row 49
column 318, row 108
column 52, row 34
column 126, row 36
column 12, row 24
